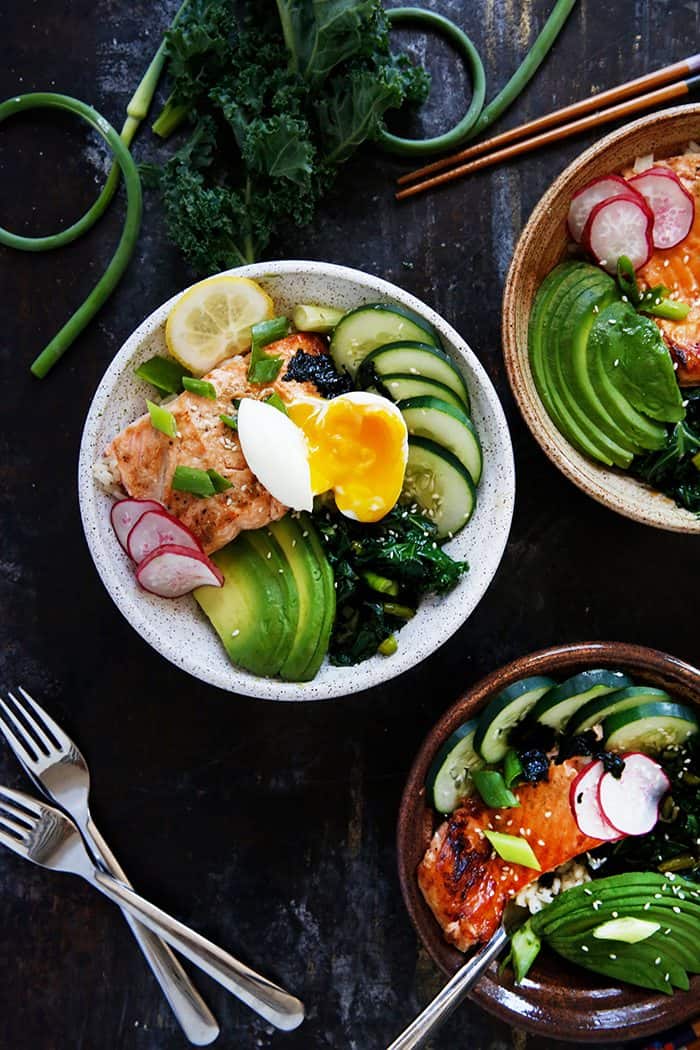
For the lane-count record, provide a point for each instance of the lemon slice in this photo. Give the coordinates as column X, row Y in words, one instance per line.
column 212, row 321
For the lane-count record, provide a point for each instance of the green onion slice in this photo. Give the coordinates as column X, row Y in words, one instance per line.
column 199, row 387
column 276, row 401
column 162, row 420
column 264, row 368
column 513, row 848
column 193, row 480
column 512, row 768
column 219, row 482
column 163, row 373
column 229, row 421
column 492, row 788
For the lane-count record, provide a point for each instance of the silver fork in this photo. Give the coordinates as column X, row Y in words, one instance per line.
column 47, row 837
column 55, row 764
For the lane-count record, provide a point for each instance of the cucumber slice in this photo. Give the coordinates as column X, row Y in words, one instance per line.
column 415, row 359
column 558, row 705
column 649, row 728
column 401, row 386
column 440, row 485
column 364, row 329
column 597, row 710
column 430, row 417
column 506, row 709
column 449, row 781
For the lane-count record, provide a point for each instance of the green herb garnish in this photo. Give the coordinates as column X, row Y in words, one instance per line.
column 264, row 368
column 230, row 421
column 654, row 301
column 514, row 849
column 193, row 480
column 200, row 387
column 162, row 420
column 219, row 482
column 492, row 788
column 164, row 373
column 276, row 401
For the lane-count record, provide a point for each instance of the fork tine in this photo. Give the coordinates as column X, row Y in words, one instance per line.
column 61, row 738
column 25, row 801
column 18, row 830
column 7, row 808
column 14, row 844
column 41, row 735
column 28, row 760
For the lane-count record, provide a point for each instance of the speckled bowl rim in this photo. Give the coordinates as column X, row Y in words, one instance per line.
column 588, row 1017
column 433, row 624
column 637, row 501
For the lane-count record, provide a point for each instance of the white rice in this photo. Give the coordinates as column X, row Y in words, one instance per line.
column 535, row 897
column 643, row 163
column 106, row 474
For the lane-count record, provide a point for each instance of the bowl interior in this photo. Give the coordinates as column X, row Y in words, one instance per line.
column 176, row 628
column 543, row 244
column 570, row 1002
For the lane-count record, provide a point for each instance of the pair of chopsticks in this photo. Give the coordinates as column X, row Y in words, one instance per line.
column 623, row 100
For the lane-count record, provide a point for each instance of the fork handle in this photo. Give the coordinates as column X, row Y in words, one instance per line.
column 278, row 1007
column 194, row 1016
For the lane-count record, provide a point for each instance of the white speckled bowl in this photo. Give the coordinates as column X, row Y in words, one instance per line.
column 176, row 628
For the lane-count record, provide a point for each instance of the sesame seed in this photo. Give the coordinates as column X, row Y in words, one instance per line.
column 548, row 813
column 615, row 914
column 589, row 893
column 667, row 977
column 584, row 947
column 666, row 262
column 596, row 905
column 612, row 955
column 269, row 554
column 234, row 634
column 541, row 842
column 676, row 909
column 657, row 960
column 611, row 320
column 647, row 906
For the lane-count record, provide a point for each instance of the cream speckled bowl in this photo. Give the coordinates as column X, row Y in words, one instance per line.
column 542, row 245
column 176, row 628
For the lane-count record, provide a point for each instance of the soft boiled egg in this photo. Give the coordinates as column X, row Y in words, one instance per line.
column 355, row 445
column 358, row 446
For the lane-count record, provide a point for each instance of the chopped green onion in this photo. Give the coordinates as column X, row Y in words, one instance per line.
column 669, row 309
column 229, row 421
column 264, row 368
column 380, row 583
column 627, row 929
column 512, row 768
column 162, row 372
column 404, row 612
column 627, row 280
column 492, row 788
column 276, row 401
column 162, row 420
column 193, row 480
column 512, row 848
column 310, row 318
column 219, row 482
column 525, row 946
column 200, row 387
column 389, row 646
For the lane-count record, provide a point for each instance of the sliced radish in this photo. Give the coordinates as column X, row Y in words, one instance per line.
column 586, row 806
column 157, row 528
column 620, row 226
column 631, row 802
column 584, row 201
column 172, row 571
column 126, row 512
column 672, row 205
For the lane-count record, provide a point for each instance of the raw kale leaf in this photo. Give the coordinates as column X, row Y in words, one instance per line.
column 269, row 127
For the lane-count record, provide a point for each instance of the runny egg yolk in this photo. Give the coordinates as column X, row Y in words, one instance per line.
column 357, row 447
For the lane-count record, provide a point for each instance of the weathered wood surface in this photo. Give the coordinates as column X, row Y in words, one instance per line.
column 271, row 827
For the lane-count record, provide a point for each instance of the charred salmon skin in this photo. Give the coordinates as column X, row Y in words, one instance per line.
column 142, row 460
column 467, row 885
column 679, row 270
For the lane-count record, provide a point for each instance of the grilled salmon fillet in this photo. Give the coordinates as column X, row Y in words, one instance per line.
column 679, row 270
column 144, row 460
column 467, row 885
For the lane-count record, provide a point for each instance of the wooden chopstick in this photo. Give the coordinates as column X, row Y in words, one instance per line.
column 671, row 93
column 687, row 67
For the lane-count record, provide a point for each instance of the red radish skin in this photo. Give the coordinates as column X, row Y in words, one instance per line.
column 172, row 571
column 671, row 204
column 126, row 512
column 631, row 802
column 586, row 807
column 584, row 201
column 157, row 528
column 620, row 226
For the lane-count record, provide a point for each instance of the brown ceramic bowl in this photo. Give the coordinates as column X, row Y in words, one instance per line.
column 542, row 245
column 557, row 998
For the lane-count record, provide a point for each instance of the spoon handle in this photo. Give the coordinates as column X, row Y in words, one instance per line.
column 449, row 997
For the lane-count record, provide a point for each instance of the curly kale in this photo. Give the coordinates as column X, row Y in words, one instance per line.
column 276, row 103
column 381, row 572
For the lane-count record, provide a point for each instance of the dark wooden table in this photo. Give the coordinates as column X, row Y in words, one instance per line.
column 271, row 827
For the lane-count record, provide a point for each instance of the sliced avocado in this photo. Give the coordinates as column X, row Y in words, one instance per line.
column 643, row 430
column 248, row 612
column 283, row 626
column 303, row 565
column 328, row 600
column 573, row 317
column 637, row 362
